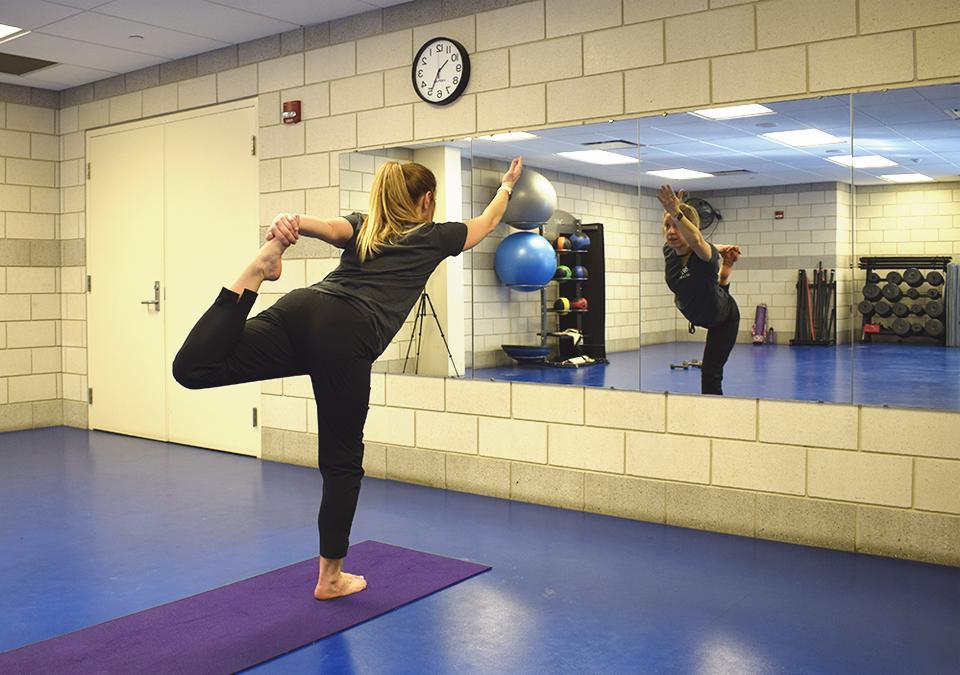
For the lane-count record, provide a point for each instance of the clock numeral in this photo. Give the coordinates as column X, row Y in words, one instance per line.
column 439, row 94
column 449, row 48
column 420, row 73
column 423, row 85
column 448, row 90
column 459, row 67
column 423, row 61
column 456, row 80
column 455, row 57
column 430, row 91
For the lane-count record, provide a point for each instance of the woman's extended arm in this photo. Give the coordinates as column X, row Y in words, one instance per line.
column 486, row 222
column 288, row 227
column 687, row 230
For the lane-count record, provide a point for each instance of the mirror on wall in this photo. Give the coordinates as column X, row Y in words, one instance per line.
column 829, row 241
column 907, row 239
column 556, row 287
column 770, row 195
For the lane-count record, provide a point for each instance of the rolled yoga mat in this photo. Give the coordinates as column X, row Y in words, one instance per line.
column 245, row 623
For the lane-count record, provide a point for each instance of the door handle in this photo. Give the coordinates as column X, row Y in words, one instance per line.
column 156, row 296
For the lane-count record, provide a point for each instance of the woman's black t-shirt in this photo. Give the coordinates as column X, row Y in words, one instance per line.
column 696, row 288
column 386, row 286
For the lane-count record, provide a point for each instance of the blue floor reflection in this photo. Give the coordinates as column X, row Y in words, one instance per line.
column 921, row 376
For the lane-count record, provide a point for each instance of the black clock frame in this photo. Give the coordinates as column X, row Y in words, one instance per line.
column 464, row 78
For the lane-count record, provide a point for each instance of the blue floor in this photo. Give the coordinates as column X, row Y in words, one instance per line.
column 921, row 376
column 96, row 526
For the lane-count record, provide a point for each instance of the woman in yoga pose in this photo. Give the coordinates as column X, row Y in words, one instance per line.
column 698, row 273
column 335, row 329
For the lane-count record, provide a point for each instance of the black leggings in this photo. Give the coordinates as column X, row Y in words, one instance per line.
column 720, row 341
column 304, row 333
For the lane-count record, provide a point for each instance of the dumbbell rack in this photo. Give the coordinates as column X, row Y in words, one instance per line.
column 871, row 326
column 590, row 322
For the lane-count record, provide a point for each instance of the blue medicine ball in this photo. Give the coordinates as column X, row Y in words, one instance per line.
column 580, row 272
column 580, row 241
column 525, row 261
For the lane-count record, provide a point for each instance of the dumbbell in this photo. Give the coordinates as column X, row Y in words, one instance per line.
column 894, row 277
column 933, row 327
column 865, row 307
column 934, row 278
column 882, row 308
column 917, row 309
column 916, row 329
column 901, row 327
column 913, row 277
column 900, row 309
column 914, row 294
column 873, row 278
column 933, row 309
column 892, row 292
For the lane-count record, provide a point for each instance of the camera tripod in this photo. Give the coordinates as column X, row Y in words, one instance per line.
column 419, row 320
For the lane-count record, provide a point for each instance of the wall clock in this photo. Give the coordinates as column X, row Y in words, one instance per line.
column 441, row 71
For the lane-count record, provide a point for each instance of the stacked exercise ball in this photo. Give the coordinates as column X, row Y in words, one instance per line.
column 532, row 201
column 561, row 243
column 563, row 272
column 580, row 272
column 525, row 261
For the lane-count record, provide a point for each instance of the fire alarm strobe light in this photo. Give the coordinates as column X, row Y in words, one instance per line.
column 291, row 112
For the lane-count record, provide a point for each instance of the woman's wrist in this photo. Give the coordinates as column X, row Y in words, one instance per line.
column 506, row 187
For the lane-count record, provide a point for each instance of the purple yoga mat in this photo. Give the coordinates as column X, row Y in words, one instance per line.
column 248, row 622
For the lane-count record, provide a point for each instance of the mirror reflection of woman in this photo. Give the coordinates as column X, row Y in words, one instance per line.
column 698, row 274
column 335, row 329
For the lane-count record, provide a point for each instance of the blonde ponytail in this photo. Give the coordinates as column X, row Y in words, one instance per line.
column 393, row 211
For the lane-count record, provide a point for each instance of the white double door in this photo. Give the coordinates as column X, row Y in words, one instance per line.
column 172, row 209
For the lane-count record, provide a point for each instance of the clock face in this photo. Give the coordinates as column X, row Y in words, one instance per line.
column 440, row 71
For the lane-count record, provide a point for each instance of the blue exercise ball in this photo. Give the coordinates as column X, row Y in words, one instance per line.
column 525, row 261
column 532, row 202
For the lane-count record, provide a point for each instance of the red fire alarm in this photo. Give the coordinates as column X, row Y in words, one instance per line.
column 778, row 215
column 291, row 112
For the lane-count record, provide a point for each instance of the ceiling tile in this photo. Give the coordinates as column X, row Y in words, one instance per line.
column 302, row 12
column 63, row 50
column 196, row 17
column 113, row 32
column 31, row 14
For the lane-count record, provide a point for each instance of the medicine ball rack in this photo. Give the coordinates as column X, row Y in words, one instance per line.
column 589, row 322
column 884, row 298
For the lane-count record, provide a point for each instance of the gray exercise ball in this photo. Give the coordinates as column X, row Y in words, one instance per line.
column 532, row 203
column 561, row 218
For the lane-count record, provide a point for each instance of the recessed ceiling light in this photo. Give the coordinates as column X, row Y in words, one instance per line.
column 906, row 177
column 135, row 37
column 680, row 174
column 733, row 112
column 8, row 33
column 598, row 157
column 861, row 161
column 508, row 137
column 803, row 138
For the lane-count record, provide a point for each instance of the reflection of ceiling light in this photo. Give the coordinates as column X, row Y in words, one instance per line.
column 680, row 174
column 598, row 157
column 906, row 177
column 8, row 33
column 507, row 137
column 733, row 112
column 803, row 138
column 861, row 161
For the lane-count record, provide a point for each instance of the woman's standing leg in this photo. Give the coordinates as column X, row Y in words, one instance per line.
column 342, row 392
column 720, row 341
